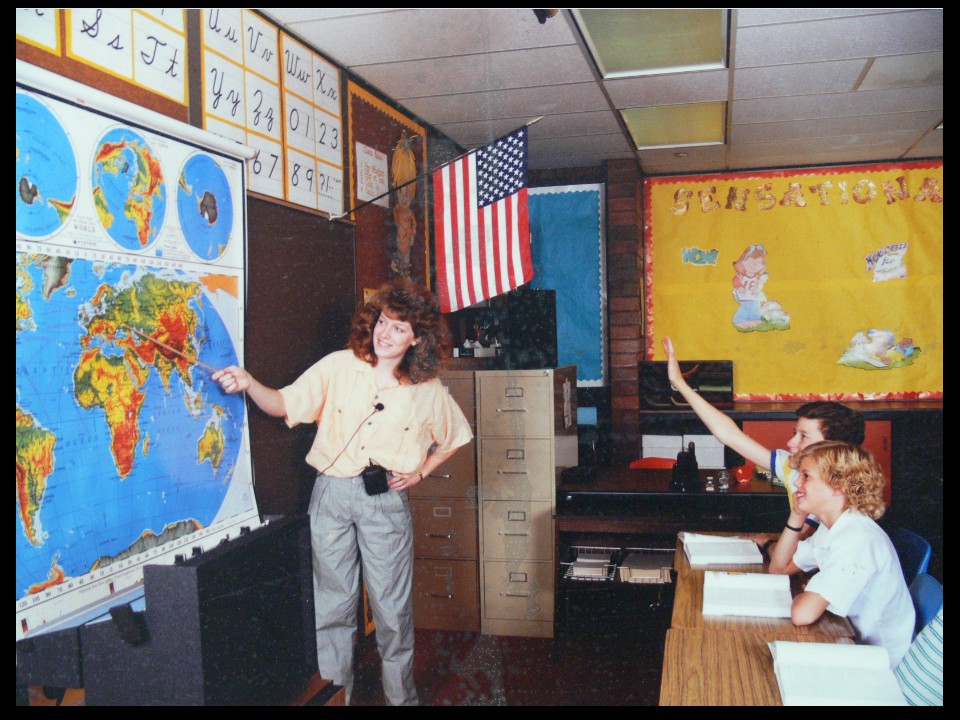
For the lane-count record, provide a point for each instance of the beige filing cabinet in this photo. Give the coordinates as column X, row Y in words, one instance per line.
column 446, row 593
column 526, row 433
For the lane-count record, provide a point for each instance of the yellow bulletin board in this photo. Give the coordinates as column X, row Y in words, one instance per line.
column 837, row 291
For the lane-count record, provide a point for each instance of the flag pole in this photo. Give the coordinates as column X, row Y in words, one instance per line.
column 419, row 177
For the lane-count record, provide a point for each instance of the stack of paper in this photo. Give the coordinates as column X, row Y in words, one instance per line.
column 720, row 550
column 592, row 564
column 750, row 594
column 646, row 567
column 825, row 674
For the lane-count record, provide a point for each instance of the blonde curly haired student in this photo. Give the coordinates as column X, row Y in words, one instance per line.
column 858, row 572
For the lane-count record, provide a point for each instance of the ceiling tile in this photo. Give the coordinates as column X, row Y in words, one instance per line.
column 838, row 105
column 918, row 122
column 845, row 38
column 478, row 73
column 524, row 104
column 398, row 35
column 657, row 90
column 798, row 79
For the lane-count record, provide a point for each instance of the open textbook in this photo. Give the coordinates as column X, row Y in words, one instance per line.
column 827, row 674
column 750, row 594
column 720, row 550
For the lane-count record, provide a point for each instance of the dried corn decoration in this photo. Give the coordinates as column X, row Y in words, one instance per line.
column 403, row 169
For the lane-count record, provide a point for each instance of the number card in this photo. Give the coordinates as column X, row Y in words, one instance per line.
column 312, row 126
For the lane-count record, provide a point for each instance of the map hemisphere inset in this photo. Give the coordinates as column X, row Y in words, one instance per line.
column 205, row 206
column 129, row 192
column 47, row 178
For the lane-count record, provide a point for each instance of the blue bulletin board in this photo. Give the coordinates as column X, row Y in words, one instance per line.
column 567, row 246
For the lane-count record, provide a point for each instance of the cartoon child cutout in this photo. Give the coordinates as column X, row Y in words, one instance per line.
column 748, row 286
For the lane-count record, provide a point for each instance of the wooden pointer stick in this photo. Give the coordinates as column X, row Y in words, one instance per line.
column 167, row 347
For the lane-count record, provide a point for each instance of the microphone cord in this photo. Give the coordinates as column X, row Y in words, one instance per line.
column 376, row 408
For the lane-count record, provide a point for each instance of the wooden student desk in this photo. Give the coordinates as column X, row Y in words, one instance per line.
column 725, row 660
column 719, row 667
column 688, row 605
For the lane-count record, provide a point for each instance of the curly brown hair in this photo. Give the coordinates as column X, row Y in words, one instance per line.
column 851, row 470
column 408, row 302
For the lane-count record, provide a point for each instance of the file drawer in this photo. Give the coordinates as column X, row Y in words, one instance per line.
column 446, row 595
column 461, row 387
column 518, row 590
column 515, row 406
column 517, row 468
column 518, row 530
column 444, row 527
column 456, row 478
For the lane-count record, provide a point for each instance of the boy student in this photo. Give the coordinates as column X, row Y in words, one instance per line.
column 858, row 573
column 815, row 421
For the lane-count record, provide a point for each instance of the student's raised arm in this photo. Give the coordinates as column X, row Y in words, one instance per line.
column 235, row 379
column 722, row 426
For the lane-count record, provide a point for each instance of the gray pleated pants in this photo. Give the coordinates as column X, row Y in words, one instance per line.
column 343, row 519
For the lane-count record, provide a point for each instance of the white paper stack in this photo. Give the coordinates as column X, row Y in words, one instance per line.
column 708, row 449
column 661, row 446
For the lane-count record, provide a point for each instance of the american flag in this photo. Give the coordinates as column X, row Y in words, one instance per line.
column 480, row 216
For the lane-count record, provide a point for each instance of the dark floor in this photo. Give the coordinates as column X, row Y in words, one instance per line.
column 611, row 655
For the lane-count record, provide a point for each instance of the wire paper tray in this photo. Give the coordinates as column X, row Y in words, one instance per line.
column 590, row 564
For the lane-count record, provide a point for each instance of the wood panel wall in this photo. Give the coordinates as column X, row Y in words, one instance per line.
column 300, row 296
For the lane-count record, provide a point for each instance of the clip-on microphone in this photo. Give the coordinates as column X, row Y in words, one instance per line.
column 376, row 408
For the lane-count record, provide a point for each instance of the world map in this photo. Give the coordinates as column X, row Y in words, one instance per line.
column 122, row 443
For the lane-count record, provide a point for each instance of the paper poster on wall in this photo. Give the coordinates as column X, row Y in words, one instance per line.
column 825, row 282
column 241, row 89
column 130, row 265
column 39, row 27
column 147, row 46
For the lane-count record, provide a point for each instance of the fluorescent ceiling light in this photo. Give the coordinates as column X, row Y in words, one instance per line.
column 899, row 71
column 631, row 42
column 677, row 125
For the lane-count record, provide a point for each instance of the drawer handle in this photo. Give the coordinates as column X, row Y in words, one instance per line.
column 511, row 472
column 442, row 597
column 521, row 595
column 441, row 476
column 511, row 409
column 439, row 535
column 520, row 534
